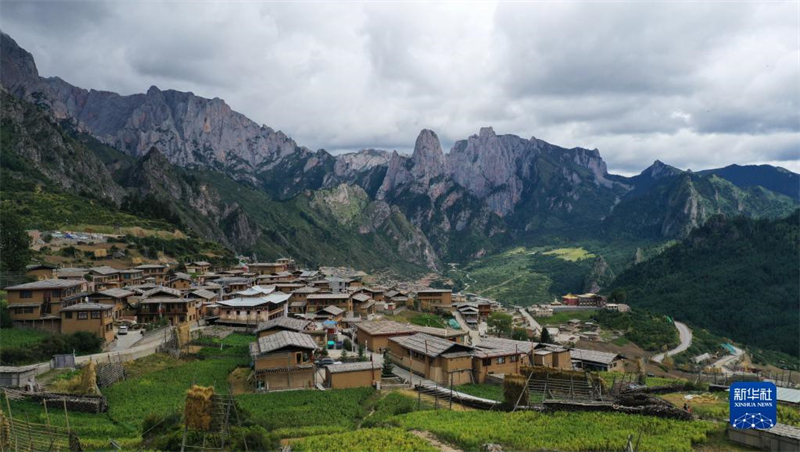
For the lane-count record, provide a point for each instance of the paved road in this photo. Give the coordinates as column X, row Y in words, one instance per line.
column 729, row 359
column 531, row 321
column 686, row 341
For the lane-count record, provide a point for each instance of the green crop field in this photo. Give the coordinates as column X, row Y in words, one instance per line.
column 302, row 413
column 491, row 392
column 570, row 254
column 366, row 440
column 15, row 337
column 565, row 431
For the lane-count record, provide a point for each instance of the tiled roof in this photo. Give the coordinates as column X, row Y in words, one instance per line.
column 354, row 367
column 116, row 293
column 429, row 345
column 104, row 270
column 203, row 293
column 498, row 343
column 329, row 296
column 387, row 327
column 273, row 298
column 306, row 290
column 362, row 297
column 283, row 322
column 256, row 290
column 162, row 289
column 434, row 291
column 201, row 263
column 47, row 284
column 156, row 300
column 281, row 340
column 149, row 266
column 593, row 356
column 333, row 310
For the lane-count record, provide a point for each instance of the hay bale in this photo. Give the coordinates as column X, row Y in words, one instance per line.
column 183, row 334
column 513, row 386
column 89, row 379
column 199, row 407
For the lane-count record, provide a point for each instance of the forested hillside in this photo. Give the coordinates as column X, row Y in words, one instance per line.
column 737, row 277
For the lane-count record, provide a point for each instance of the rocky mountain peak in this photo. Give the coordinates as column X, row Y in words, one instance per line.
column 660, row 170
column 486, row 132
column 428, row 156
column 18, row 66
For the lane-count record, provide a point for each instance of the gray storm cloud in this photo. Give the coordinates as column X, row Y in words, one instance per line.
column 695, row 85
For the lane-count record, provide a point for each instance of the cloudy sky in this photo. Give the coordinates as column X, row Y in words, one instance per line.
column 696, row 85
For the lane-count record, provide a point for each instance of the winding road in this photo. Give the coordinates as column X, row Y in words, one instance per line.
column 728, row 359
column 686, row 341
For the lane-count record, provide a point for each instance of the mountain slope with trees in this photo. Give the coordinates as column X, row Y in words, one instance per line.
column 737, row 277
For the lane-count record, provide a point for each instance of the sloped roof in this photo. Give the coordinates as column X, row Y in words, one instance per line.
column 201, row 263
column 116, row 293
column 593, row 356
column 47, row 284
column 204, row 293
column 386, row 327
column 510, row 344
column 288, row 323
column 104, row 270
column 148, row 266
column 273, row 298
column 306, row 289
column 256, row 290
column 353, row 367
column 162, row 289
column 281, row 340
column 362, row 297
column 333, row 310
column 430, row 345
column 329, row 296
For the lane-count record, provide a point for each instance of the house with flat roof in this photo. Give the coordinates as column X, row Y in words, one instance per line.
column 117, row 298
column 318, row 301
column 498, row 360
column 198, row 267
column 436, row 359
column 283, row 360
column 156, row 271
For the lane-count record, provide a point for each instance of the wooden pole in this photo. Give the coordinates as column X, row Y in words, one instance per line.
column 11, row 422
column 66, row 413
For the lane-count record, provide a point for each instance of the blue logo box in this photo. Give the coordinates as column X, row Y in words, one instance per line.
column 753, row 405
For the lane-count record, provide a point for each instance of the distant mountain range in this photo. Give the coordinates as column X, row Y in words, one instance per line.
column 220, row 175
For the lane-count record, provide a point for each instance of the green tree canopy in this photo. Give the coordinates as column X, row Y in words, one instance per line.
column 15, row 243
column 501, row 323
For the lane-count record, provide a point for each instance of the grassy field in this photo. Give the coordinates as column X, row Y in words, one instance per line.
column 570, row 254
column 491, row 392
column 525, row 276
column 15, row 337
column 565, row 316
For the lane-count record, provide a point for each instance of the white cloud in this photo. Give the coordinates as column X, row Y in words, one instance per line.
column 695, row 85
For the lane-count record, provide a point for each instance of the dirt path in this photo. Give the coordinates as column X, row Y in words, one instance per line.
column 499, row 285
column 428, row 436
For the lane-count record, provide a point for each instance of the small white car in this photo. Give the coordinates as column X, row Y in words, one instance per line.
column 122, row 330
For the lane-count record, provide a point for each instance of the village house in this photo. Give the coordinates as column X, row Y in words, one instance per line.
column 318, row 301
column 198, row 267
column 352, row 375
column 131, row 276
column 117, row 298
column 37, row 304
column 96, row 318
column 181, row 281
column 288, row 287
column 590, row 360
column 280, row 277
column 156, row 271
column 375, row 293
column 436, row 359
column 72, row 273
column 375, row 335
column 105, row 277
column 363, row 304
column 40, row 271
column 497, row 361
column 279, row 324
column 552, row 356
column 539, row 310
column 618, row 307
column 470, row 313
column 268, row 268
column 251, row 311
column 255, row 291
column 283, row 360
column 232, row 284
column 338, row 285
column 330, row 313
column 435, row 300
column 298, row 301
column 166, row 303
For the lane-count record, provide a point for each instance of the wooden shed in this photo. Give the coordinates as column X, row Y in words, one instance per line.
column 16, row 377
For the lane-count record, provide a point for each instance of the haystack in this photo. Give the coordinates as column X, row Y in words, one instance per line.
column 199, row 407
column 183, row 333
column 513, row 387
column 89, row 379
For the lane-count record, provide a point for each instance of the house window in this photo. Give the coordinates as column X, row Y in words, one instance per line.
column 298, row 357
column 68, row 315
column 96, row 314
column 487, row 361
column 25, row 294
column 514, row 358
column 83, row 315
column 501, row 360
